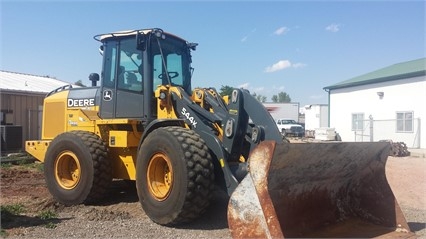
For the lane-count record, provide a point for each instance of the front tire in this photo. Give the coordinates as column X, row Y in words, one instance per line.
column 76, row 168
column 174, row 175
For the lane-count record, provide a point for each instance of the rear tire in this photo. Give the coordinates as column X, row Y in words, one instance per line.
column 174, row 175
column 76, row 168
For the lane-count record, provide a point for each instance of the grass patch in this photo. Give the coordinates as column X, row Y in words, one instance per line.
column 11, row 217
column 20, row 158
column 7, row 213
column 37, row 166
column 5, row 165
column 13, row 209
column 50, row 225
column 47, row 215
column 3, row 233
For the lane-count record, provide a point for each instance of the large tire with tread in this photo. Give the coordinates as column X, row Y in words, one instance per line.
column 76, row 168
column 174, row 175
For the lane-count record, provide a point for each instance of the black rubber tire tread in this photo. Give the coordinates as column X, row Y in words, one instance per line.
column 191, row 190
column 96, row 168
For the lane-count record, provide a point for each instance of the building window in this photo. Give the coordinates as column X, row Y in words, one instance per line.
column 6, row 117
column 358, row 121
column 404, row 122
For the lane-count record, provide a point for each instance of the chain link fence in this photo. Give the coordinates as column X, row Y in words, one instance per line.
column 376, row 130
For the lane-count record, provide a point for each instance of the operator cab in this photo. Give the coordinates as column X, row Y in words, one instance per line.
column 134, row 64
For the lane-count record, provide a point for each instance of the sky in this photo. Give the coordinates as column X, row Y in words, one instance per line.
column 267, row 47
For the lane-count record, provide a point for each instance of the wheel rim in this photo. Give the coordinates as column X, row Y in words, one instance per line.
column 67, row 170
column 160, row 176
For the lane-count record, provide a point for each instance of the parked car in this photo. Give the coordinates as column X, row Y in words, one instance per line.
column 290, row 127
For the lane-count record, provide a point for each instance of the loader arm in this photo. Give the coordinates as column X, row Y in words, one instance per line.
column 226, row 128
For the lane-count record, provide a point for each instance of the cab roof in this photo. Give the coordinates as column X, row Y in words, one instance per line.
column 102, row 37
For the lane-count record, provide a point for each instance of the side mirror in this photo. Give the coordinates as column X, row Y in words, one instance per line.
column 94, row 77
column 140, row 41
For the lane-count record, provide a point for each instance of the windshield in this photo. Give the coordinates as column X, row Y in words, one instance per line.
column 171, row 63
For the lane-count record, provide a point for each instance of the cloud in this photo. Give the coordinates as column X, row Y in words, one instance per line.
column 333, row 27
column 244, row 86
column 283, row 64
column 244, row 39
column 280, row 65
column 281, row 31
column 298, row 65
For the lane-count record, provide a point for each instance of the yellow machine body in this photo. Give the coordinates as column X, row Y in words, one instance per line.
column 122, row 144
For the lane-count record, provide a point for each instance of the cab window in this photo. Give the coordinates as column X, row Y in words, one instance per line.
column 129, row 67
column 171, row 61
column 110, row 61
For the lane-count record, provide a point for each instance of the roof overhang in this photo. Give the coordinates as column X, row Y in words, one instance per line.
column 22, row 92
column 376, row 80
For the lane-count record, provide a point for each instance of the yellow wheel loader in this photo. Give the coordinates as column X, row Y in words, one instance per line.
column 145, row 123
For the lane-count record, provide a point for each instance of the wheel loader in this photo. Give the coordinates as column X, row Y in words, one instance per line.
column 145, row 123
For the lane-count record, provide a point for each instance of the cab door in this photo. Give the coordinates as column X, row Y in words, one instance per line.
column 122, row 92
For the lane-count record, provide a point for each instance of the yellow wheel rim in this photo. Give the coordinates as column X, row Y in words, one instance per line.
column 67, row 170
column 160, row 176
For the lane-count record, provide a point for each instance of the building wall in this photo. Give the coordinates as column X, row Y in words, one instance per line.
column 283, row 110
column 23, row 109
column 316, row 116
column 398, row 96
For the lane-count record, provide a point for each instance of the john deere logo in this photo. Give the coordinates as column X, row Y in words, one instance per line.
column 107, row 95
column 81, row 102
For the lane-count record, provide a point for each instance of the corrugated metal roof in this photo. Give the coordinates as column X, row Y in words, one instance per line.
column 18, row 82
column 398, row 71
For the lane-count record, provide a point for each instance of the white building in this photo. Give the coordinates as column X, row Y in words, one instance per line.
column 283, row 110
column 386, row 104
column 316, row 116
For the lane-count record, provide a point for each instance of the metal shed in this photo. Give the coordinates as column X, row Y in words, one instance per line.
column 21, row 103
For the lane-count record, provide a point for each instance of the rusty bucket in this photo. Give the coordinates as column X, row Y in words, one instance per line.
column 316, row 190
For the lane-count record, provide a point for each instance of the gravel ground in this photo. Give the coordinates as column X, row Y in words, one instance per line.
column 407, row 178
column 121, row 216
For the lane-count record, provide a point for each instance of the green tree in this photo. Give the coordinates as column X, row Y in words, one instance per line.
column 282, row 97
column 260, row 98
column 226, row 90
column 275, row 98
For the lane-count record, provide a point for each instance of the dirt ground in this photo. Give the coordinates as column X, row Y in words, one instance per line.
column 120, row 214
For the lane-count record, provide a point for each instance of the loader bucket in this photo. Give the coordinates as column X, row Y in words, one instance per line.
column 316, row 190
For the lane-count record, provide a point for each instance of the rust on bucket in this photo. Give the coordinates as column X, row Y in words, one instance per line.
column 316, row 190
